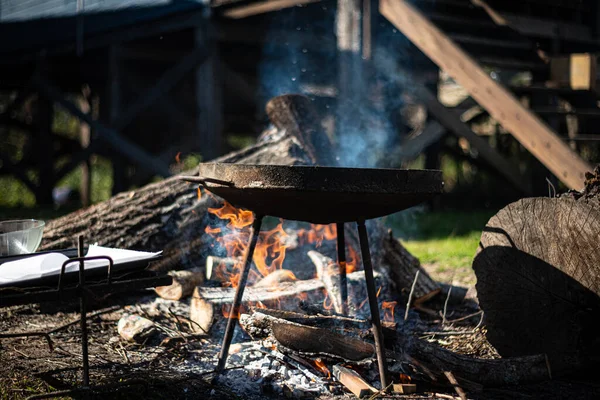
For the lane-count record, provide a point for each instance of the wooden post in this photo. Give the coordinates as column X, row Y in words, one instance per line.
column 84, row 140
column 350, row 90
column 209, row 106
column 119, row 166
column 45, row 151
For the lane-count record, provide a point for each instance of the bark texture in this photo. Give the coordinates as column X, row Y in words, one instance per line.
column 538, row 278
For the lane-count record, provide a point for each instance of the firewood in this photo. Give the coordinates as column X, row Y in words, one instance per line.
column 353, row 381
column 276, row 278
column 329, row 272
column 221, row 295
column 404, row 388
column 538, row 278
column 306, row 339
column 224, row 264
column 472, row 372
column 183, row 284
column 201, row 313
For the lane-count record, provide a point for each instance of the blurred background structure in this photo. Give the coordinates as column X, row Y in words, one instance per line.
column 101, row 96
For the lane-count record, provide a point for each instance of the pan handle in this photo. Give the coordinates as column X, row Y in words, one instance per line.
column 202, row 181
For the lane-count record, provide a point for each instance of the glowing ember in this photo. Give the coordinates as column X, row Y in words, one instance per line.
column 320, row 366
column 388, row 310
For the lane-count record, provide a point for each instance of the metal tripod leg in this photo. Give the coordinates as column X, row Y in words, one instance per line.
column 341, row 253
column 237, row 301
column 375, row 319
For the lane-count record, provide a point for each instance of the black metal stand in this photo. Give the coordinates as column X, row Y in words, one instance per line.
column 81, row 291
column 375, row 318
column 237, row 301
column 341, row 252
column 368, row 267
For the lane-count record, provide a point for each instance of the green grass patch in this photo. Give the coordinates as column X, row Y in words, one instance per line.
column 448, row 239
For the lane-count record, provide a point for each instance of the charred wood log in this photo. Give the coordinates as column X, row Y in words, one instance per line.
column 306, row 339
column 538, row 278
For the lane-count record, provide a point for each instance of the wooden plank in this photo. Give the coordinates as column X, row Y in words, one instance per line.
column 262, row 7
column 526, row 127
column 453, row 123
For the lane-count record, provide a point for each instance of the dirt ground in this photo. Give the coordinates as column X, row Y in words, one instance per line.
column 180, row 367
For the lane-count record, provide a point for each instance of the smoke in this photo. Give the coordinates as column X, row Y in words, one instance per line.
column 300, row 56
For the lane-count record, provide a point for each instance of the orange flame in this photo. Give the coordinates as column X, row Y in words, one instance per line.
column 320, row 366
column 405, row 378
column 178, row 157
column 268, row 254
column 199, row 194
column 317, row 233
column 388, row 310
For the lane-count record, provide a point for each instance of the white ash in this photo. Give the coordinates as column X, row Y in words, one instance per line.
column 268, row 372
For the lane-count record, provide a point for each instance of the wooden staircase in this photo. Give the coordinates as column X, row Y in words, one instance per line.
column 469, row 38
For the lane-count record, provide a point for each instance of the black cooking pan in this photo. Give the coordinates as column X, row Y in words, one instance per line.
column 319, row 194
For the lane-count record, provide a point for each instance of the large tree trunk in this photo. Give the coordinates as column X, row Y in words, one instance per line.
column 169, row 215
column 538, row 278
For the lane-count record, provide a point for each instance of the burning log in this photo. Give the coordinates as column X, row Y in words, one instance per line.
column 276, row 278
column 225, row 295
column 329, row 272
column 353, row 381
column 184, row 283
column 538, row 278
column 306, row 339
column 223, row 264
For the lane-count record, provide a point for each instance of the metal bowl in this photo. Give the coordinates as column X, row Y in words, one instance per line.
column 20, row 236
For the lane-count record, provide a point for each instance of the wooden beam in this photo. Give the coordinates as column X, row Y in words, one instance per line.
column 350, row 89
column 119, row 144
column 262, row 7
column 166, row 82
column 525, row 126
column 453, row 123
column 209, row 96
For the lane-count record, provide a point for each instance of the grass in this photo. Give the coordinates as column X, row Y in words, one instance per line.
column 445, row 242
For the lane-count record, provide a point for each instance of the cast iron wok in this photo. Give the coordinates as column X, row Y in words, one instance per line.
column 316, row 194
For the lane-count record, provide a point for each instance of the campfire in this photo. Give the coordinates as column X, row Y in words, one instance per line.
column 307, row 306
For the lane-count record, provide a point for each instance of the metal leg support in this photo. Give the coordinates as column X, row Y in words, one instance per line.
column 237, row 301
column 341, row 253
column 375, row 319
column 83, row 311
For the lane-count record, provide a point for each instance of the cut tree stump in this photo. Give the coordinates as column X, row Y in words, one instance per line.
column 538, row 278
